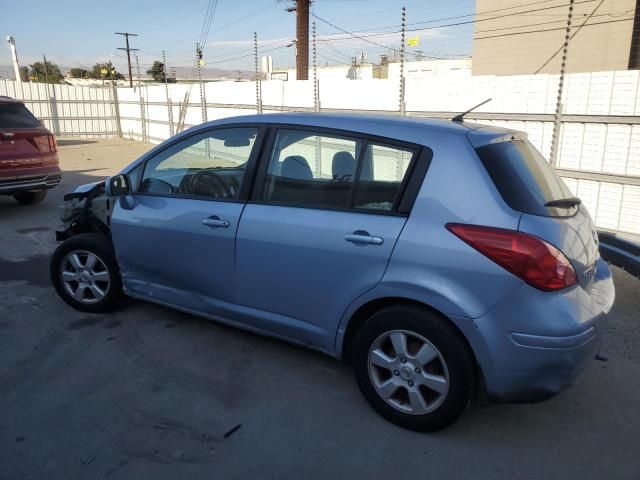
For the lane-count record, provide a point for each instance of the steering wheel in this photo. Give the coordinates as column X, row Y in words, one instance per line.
column 209, row 184
column 155, row 185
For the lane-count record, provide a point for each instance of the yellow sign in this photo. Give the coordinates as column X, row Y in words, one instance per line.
column 104, row 71
column 413, row 41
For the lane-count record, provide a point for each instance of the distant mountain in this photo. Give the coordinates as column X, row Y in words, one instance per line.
column 186, row 73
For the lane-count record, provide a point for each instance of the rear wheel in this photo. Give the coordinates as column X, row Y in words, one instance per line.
column 29, row 198
column 85, row 274
column 414, row 368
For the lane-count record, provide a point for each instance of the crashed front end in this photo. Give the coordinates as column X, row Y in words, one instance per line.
column 85, row 209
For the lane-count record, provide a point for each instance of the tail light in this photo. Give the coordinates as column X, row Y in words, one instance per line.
column 53, row 145
column 533, row 260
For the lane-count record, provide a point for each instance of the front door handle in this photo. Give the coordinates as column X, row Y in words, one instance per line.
column 214, row 221
column 362, row 237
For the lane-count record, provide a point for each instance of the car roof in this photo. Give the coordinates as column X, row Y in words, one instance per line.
column 5, row 99
column 411, row 129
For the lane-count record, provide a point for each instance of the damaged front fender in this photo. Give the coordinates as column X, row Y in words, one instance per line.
column 85, row 209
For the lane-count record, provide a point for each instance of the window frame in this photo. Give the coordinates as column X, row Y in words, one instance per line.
column 247, row 178
column 407, row 192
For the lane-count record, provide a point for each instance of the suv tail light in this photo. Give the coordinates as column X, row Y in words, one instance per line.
column 533, row 260
column 53, row 145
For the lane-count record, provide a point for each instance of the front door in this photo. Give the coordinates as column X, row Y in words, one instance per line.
column 176, row 240
column 320, row 231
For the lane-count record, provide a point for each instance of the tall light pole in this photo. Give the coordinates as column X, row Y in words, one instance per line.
column 14, row 57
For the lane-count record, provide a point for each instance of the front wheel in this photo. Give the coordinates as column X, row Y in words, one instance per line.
column 85, row 274
column 414, row 368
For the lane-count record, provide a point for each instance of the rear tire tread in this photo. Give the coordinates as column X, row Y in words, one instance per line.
column 445, row 337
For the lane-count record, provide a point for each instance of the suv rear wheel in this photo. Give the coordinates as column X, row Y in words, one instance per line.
column 29, row 198
column 414, row 368
column 85, row 274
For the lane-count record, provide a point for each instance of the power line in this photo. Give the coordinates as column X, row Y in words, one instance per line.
column 435, row 27
column 574, row 34
column 548, row 22
column 347, row 32
column 551, row 29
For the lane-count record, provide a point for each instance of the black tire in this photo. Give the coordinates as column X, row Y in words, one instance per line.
column 101, row 246
column 453, row 348
column 30, row 198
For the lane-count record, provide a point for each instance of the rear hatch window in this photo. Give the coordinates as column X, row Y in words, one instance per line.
column 16, row 115
column 525, row 180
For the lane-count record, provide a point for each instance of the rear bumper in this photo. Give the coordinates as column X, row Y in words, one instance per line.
column 536, row 373
column 534, row 344
column 42, row 179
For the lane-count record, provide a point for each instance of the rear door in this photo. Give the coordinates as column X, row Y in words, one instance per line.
column 530, row 185
column 319, row 230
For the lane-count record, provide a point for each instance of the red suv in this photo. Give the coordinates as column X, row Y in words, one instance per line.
column 28, row 154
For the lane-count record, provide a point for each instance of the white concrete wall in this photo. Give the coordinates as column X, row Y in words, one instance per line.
column 603, row 148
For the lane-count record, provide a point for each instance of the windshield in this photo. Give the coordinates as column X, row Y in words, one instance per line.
column 15, row 115
column 524, row 178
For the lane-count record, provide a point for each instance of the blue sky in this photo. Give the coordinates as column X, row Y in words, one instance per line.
column 81, row 32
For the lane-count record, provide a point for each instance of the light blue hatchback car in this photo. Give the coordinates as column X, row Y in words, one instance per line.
column 442, row 258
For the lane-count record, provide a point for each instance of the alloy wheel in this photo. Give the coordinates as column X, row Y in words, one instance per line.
column 408, row 372
column 85, row 276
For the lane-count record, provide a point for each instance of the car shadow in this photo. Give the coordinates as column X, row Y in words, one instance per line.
column 64, row 142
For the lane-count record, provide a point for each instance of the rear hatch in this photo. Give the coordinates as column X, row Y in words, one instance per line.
column 528, row 184
column 24, row 143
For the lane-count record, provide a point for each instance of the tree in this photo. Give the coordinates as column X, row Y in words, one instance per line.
column 24, row 74
column 157, row 71
column 38, row 72
column 78, row 73
column 105, row 71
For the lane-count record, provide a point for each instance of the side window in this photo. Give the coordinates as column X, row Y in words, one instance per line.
column 306, row 168
column 208, row 165
column 383, row 171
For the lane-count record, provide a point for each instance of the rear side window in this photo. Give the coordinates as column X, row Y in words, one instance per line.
column 318, row 170
column 524, row 178
column 383, row 170
column 16, row 115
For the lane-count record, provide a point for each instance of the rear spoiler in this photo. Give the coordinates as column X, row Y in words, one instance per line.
column 482, row 136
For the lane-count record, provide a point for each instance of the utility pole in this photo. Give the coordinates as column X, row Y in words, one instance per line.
column 14, row 57
column 46, row 69
column 128, row 50
column 302, row 39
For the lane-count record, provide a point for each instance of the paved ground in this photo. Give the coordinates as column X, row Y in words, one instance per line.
column 151, row 393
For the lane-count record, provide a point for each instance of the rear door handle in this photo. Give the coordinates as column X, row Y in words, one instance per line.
column 362, row 237
column 214, row 221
